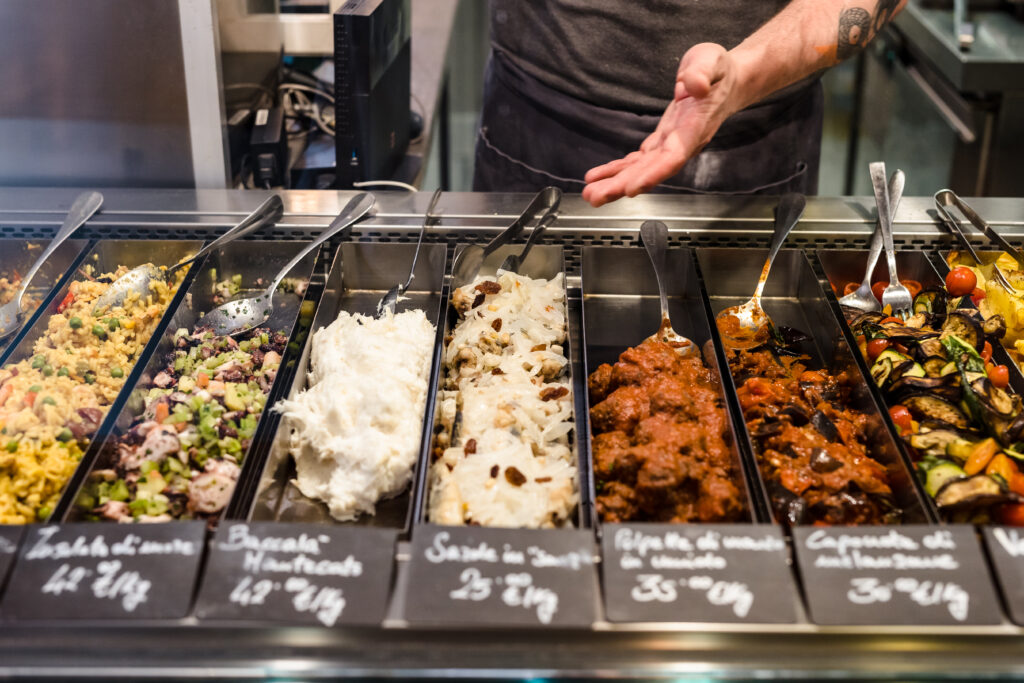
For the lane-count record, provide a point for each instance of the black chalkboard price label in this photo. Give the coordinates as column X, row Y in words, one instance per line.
column 698, row 573
column 297, row 573
column 9, row 538
column 476, row 576
column 908, row 575
column 1006, row 548
column 92, row 570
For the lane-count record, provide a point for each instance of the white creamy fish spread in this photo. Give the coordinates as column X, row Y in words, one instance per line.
column 356, row 429
column 507, row 462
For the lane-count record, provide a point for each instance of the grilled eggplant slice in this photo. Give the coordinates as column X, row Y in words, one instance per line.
column 978, row 491
column 938, row 442
column 880, row 371
column 964, row 326
column 930, row 300
column 929, row 407
column 947, row 387
column 994, row 327
column 826, row 427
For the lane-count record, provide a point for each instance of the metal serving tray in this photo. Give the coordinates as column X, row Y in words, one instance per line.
column 621, row 309
column 794, row 298
column 106, row 256
column 360, row 275
column 542, row 262
column 17, row 256
column 252, row 260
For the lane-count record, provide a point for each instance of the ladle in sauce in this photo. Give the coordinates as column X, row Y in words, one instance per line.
column 747, row 325
column 654, row 235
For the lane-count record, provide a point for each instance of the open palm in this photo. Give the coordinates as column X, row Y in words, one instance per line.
column 702, row 101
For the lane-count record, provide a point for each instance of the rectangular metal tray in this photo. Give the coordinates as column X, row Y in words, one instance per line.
column 359, row 277
column 106, row 256
column 621, row 309
column 543, row 261
column 793, row 297
column 18, row 255
column 252, row 260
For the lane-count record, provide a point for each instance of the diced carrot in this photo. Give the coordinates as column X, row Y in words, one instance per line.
column 981, row 455
column 181, row 426
column 30, row 398
column 162, row 412
column 67, row 301
column 202, row 380
column 1017, row 483
column 1003, row 466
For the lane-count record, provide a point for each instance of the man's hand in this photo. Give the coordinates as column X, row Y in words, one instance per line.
column 705, row 95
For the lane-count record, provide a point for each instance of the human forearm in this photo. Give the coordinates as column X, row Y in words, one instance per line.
column 807, row 36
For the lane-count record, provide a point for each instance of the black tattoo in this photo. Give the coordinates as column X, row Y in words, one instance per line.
column 857, row 27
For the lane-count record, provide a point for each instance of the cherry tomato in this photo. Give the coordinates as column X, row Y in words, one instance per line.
column 901, row 418
column 913, row 285
column 986, row 352
column 875, row 348
column 977, row 295
column 1012, row 514
column 999, row 375
column 850, row 288
column 877, row 288
column 961, row 281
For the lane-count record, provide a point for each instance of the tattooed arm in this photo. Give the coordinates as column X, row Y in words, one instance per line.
column 713, row 83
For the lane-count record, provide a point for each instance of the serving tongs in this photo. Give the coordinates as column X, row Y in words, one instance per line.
column 471, row 258
column 944, row 199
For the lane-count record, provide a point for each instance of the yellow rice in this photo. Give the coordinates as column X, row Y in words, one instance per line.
column 72, row 366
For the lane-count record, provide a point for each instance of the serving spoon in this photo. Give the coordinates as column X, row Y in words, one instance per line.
column 654, row 235
column 751, row 325
column 82, row 209
column 390, row 298
column 241, row 315
column 469, row 261
column 139, row 280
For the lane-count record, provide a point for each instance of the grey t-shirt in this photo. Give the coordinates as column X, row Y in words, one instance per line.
column 619, row 54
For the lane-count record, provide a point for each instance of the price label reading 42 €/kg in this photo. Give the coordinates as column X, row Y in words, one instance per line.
column 907, row 575
column 297, row 573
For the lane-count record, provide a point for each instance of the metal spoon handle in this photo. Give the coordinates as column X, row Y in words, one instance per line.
column 82, row 209
column 896, row 182
column 654, row 235
column 268, row 212
column 787, row 214
column 877, row 170
column 356, row 208
column 545, row 200
column 428, row 220
column 547, row 219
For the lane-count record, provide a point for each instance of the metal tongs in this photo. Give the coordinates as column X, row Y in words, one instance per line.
column 471, row 258
column 947, row 198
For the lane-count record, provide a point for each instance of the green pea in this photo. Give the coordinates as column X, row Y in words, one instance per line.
column 65, row 435
column 75, row 322
column 116, row 372
column 49, row 401
column 38, row 362
column 90, row 378
column 43, row 513
column 35, row 388
column 113, row 324
column 63, row 372
column 99, row 331
column 12, row 445
column 47, row 370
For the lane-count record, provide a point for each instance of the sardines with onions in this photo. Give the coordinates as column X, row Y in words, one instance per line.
column 503, row 456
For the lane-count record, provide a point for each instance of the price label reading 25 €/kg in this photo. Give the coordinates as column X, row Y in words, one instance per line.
column 697, row 573
column 297, row 573
column 914, row 575
column 501, row 577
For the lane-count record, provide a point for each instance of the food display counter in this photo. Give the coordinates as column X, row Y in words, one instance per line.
column 269, row 577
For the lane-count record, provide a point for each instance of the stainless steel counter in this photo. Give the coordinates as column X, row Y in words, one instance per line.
column 187, row 650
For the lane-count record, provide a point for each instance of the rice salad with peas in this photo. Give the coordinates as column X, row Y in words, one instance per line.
column 52, row 402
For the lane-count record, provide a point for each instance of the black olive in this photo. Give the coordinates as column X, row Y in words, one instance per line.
column 797, row 417
column 825, row 426
column 822, row 462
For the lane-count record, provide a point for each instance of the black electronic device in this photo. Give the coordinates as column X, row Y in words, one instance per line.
column 371, row 88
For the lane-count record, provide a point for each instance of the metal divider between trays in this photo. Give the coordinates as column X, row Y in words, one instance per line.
column 110, row 417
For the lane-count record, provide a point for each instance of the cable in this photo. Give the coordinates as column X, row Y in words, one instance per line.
column 305, row 88
column 389, row 183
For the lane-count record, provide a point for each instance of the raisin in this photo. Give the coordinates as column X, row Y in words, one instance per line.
column 494, row 471
column 497, row 371
column 541, row 480
column 551, row 393
column 470, row 447
column 514, row 476
column 478, row 300
column 488, row 287
column 496, row 324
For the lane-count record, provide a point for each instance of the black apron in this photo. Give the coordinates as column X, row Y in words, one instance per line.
column 531, row 136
